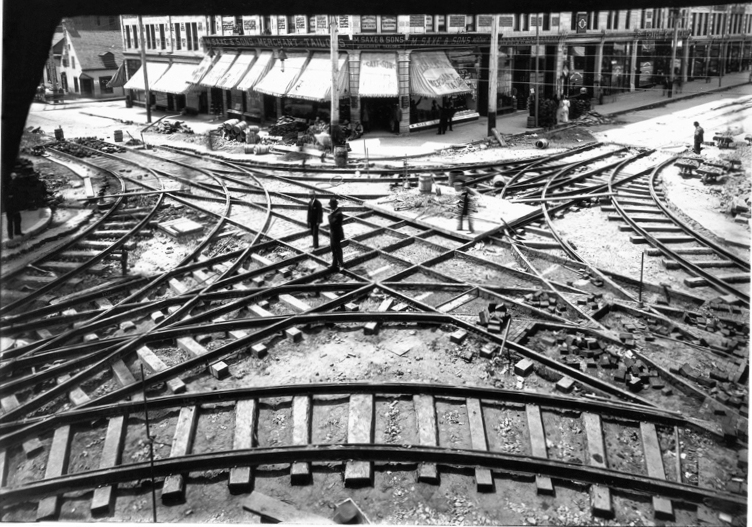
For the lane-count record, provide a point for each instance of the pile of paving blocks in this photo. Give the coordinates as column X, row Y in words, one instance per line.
column 726, row 384
column 494, row 317
column 736, row 333
column 587, row 274
column 574, row 347
column 590, row 302
column 629, row 329
column 636, row 375
column 545, row 301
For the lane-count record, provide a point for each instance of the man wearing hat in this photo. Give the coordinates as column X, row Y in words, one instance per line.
column 336, row 233
column 315, row 217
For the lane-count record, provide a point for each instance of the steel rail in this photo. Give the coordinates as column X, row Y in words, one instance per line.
column 37, row 426
column 508, row 185
column 498, row 461
column 683, row 262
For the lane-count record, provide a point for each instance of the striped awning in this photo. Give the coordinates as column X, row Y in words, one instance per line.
column 237, row 71
column 315, row 83
column 202, row 68
column 154, row 70
column 219, row 68
column 118, row 79
column 257, row 72
column 378, row 75
column 432, row 75
column 176, row 80
column 278, row 82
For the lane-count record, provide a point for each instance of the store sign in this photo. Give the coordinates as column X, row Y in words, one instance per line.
column 389, row 23
column 417, row 20
column 527, row 41
column 506, row 21
column 300, row 23
column 281, row 23
column 321, row 22
column 397, row 41
column 456, row 20
column 343, row 21
column 368, row 23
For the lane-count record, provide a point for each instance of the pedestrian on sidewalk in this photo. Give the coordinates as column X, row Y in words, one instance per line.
column 396, row 118
column 315, row 217
column 442, row 120
column 336, row 234
column 450, row 114
column 12, row 198
column 465, row 208
column 699, row 138
column 365, row 119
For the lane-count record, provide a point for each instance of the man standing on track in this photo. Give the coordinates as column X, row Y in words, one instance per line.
column 336, row 234
column 315, row 217
column 699, row 137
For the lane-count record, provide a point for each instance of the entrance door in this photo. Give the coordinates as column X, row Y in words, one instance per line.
column 87, row 87
column 380, row 112
column 64, row 81
column 203, row 102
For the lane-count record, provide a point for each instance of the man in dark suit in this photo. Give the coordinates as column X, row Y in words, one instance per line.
column 315, row 217
column 336, row 233
column 12, row 198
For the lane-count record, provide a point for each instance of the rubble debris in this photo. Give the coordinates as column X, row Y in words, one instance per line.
column 171, row 127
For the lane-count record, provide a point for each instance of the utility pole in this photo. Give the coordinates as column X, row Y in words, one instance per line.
column 335, row 69
column 537, row 48
column 147, row 92
column 675, row 13
column 493, row 74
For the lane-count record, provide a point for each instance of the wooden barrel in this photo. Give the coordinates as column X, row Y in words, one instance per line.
column 249, row 149
column 455, row 176
column 59, row 135
column 253, row 128
column 230, row 123
column 542, row 143
column 261, row 149
column 340, row 156
column 239, row 127
column 117, row 135
column 251, row 137
column 499, row 180
column 425, row 183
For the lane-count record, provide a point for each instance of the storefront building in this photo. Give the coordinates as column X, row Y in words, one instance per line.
column 395, row 72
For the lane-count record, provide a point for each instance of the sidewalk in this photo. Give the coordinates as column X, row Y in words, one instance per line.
column 385, row 145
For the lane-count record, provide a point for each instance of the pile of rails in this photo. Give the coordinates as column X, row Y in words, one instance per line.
column 76, row 147
column 171, row 127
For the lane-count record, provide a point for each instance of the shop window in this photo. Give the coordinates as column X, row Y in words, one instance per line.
column 470, row 23
column 440, row 23
column 388, row 24
column 103, row 84
column 178, row 41
column 162, row 43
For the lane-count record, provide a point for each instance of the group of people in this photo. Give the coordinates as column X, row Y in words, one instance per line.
column 336, row 232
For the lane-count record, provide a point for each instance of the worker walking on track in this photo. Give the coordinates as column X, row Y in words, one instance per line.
column 315, row 217
column 336, row 233
column 465, row 208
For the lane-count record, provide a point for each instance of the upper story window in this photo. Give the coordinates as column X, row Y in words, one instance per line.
column 440, row 23
column 162, row 41
column 178, row 40
column 127, row 36
column 191, row 35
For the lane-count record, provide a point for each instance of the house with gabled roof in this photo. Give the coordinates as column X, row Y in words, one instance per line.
column 91, row 56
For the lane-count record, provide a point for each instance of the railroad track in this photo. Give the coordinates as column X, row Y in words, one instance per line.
column 709, row 264
column 215, row 332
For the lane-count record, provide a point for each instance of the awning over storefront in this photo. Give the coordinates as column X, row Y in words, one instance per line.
column 258, row 70
column 200, row 71
column 219, row 68
column 154, row 70
column 176, row 80
column 119, row 79
column 237, row 71
column 378, row 75
column 315, row 84
column 432, row 75
column 278, row 82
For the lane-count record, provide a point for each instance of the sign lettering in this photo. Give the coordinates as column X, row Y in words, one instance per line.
column 300, row 22
column 417, row 20
column 456, row 20
column 343, row 21
column 388, row 23
column 506, row 21
column 368, row 23
column 396, row 41
column 485, row 20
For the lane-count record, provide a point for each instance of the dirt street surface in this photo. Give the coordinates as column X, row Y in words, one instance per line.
column 586, row 365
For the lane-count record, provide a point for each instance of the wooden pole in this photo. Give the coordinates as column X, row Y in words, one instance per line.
column 147, row 92
column 335, row 70
column 493, row 74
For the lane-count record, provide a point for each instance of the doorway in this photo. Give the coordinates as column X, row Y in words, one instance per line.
column 380, row 112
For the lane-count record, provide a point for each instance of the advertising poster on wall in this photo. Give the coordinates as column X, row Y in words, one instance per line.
column 389, row 23
column 368, row 23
